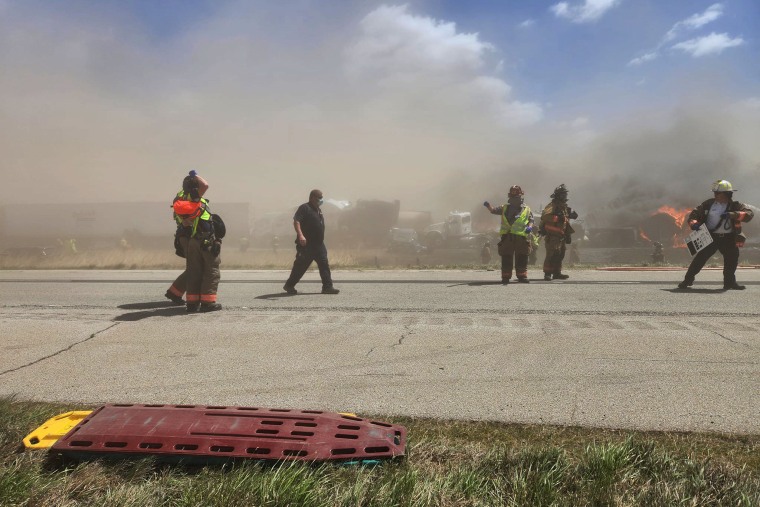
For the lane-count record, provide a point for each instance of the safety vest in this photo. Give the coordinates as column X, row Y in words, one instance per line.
column 518, row 227
column 185, row 209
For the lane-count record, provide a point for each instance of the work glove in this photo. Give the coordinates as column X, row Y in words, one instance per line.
column 573, row 215
column 724, row 215
column 193, row 173
column 694, row 226
column 529, row 229
column 486, row 204
column 216, row 248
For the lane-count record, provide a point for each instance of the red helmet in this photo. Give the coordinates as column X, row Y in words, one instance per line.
column 515, row 190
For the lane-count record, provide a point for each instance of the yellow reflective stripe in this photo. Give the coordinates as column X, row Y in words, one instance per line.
column 517, row 228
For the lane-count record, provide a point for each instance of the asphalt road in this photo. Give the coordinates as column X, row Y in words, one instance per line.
column 605, row 349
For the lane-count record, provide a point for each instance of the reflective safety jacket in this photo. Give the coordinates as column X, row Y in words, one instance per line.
column 555, row 220
column 189, row 213
column 523, row 220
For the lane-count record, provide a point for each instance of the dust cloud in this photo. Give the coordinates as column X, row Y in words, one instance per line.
column 363, row 101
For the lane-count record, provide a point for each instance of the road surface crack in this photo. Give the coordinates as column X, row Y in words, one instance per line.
column 407, row 332
column 93, row 335
column 732, row 341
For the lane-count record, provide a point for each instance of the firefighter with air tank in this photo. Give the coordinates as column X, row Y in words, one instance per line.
column 556, row 229
column 723, row 218
column 516, row 225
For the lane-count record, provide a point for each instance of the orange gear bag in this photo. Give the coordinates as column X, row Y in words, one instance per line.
column 187, row 209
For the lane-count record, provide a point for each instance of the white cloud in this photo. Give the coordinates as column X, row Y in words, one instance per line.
column 712, row 44
column 648, row 57
column 420, row 62
column 695, row 21
column 527, row 23
column 590, row 10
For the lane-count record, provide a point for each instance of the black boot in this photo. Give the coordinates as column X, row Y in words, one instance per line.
column 547, row 277
column 732, row 286
column 177, row 300
column 687, row 282
column 560, row 276
column 210, row 307
column 192, row 307
column 523, row 279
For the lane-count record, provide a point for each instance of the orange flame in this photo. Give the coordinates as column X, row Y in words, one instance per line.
column 679, row 215
column 643, row 235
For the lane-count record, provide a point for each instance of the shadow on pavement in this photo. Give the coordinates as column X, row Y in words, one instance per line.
column 696, row 291
column 147, row 306
column 163, row 312
column 286, row 295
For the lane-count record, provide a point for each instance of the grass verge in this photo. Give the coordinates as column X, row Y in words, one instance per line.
column 449, row 463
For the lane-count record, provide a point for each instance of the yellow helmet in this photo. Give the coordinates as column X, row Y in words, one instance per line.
column 722, row 186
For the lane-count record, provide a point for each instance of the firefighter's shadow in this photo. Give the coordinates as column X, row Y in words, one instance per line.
column 280, row 295
column 152, row 305
column 696, row 291
column 476, row 284
column 162, row 311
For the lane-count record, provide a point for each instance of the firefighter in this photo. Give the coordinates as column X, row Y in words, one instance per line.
column 193, row 184
column 202, row 252
column 516, row 224
column 723, row 217
column 555, row 226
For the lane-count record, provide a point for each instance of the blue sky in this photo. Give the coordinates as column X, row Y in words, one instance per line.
column 551, row 58
column 337, row 92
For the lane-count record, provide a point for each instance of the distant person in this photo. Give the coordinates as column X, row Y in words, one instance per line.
column 658, row 253
column 309, row 224
column 574, row 256
column 723, row 217
column 193, row 186
column 516, row 225
column 485, row 253
column 275, row 244
column 555, row 227
column 534, row 243
column 244, row 244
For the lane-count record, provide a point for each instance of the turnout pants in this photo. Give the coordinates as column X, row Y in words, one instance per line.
column 305, row 255
column 726, row 245
column 514, row 250
column 202, row 273
column 555, row 254
column 179, row 287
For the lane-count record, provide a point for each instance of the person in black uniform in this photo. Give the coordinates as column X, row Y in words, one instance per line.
column 309, row 224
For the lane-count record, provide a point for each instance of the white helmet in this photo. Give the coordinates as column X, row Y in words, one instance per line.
column 723, row 186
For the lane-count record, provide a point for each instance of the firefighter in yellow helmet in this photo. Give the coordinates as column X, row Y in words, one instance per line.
column 723, row 217
column 516, row 225
column 555, row 226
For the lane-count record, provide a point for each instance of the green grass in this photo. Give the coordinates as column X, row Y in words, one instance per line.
column 449, row 463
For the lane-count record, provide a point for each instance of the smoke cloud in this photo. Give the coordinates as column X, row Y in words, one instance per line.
column 367, row 101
